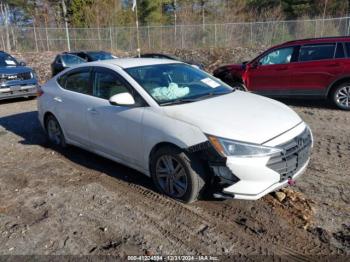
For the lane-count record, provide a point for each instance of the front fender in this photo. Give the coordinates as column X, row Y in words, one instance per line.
column 159, row 128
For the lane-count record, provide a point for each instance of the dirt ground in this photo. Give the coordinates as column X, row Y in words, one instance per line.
column 72, row 202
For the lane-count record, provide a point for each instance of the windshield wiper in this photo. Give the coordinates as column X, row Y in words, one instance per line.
column 190, row 100
column 212, row 94
column 179, row 101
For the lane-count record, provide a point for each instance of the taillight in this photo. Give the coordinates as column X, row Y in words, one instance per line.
column 40, row 91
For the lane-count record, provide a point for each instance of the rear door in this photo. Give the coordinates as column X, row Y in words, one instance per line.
column 271, row 73
column 317, row 67
column 71, row 104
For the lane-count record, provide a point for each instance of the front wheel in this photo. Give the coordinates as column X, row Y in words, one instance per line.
column 177, row 174
column 341, row 96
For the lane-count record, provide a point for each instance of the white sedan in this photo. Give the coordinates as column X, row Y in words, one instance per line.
column 184, row 128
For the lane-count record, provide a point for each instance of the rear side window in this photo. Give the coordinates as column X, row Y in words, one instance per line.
column 62, row 81
column 347, row 47
column 317, row 52
column 339, row 52
column 79, row 82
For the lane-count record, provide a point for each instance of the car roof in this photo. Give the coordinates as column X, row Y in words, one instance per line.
column 157, row 54
column 84, row 52
column 318, row 40
column 134, row 62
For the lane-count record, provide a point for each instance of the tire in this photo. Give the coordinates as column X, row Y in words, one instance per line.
column 340, row 96
column 54, row 132
column 177, row 174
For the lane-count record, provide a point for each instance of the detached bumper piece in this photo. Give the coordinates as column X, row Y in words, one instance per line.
column 223, row 177
column 294, row 156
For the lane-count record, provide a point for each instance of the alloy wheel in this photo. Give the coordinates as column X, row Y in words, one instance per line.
column 342, row 96
column 171, row 176
column 54, row 131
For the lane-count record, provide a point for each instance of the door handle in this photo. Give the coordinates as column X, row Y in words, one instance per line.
column 92, row 110
column 58, row 99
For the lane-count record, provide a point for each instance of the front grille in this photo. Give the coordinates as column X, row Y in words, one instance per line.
column 19, row 76
column 24, row 76
column 295, row 154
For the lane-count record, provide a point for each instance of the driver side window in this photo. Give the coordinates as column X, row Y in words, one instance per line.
column 278, row 57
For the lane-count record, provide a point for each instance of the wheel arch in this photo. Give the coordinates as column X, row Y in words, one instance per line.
column 336, row 83
column 46, row 115
column 49, row 113
column 158, row 146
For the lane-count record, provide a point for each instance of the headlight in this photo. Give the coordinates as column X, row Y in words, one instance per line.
column 227, row 147
column 33, row 74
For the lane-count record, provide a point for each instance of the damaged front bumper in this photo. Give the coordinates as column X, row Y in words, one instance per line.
column 251, row 178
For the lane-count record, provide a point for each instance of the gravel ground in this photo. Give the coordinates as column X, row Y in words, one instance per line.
column 72, row 202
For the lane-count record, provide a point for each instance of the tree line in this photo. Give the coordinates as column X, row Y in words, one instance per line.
column 108, row 13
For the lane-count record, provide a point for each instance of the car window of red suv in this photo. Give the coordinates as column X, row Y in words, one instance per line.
column 316, row 52
column 347, row 47
column 339, row 52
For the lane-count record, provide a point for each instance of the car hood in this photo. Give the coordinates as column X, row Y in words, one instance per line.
column 14, row 69
column 239, row 116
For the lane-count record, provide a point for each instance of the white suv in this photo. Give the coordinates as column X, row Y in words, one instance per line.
column 186, row 129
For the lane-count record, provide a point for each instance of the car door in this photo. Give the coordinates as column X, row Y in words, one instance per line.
column 270, row 73
column 114, row 130
column 70, row 104
column 317, row 67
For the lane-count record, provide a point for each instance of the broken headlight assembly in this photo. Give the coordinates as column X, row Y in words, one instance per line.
column 227, row 147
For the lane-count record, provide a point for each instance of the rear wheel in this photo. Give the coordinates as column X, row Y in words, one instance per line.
column 341, row 96
column 54, row 132
column 177, row 174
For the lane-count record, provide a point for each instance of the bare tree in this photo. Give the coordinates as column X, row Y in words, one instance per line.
column 4, row 9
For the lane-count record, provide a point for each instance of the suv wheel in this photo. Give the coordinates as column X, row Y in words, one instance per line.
column 177, row 175
column 341, row 96
column 54, row 132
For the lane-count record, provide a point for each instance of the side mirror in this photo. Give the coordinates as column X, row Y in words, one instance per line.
column 22, row 63
column 122, row 99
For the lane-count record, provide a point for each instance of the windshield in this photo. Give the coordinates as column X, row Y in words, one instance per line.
column 174, row 83
column 7, row 60
column 70, row 60
column 100, row 56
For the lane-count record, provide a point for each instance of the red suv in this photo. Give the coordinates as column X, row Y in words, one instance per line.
column 303, row 68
